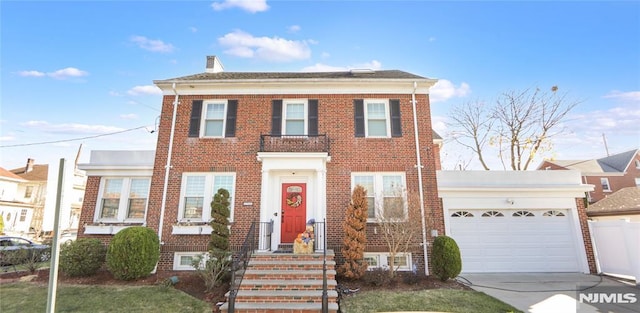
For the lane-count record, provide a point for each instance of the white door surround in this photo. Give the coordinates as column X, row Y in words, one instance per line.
column 281, row 167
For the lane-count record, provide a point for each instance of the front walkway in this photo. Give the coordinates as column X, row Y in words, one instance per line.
column 554, row 292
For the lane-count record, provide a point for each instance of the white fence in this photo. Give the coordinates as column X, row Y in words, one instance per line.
column 617, row 247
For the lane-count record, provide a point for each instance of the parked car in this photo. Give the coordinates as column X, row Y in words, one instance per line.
column 16, row 250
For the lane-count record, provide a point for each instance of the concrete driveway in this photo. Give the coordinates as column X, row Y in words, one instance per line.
column 557, row 292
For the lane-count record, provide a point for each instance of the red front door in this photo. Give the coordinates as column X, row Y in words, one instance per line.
column 294, row 211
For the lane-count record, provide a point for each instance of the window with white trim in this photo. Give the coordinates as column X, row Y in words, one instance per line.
column 197, row 192
column 376, row 112
column 386, row 193
column 294, row 119
column 23, row 215
column 213, row 118
column 122, row 199
column 637, row 162
column 382, row 260
column 604, row 182
column 637, row 181
column 183, row 261
column 28, row 191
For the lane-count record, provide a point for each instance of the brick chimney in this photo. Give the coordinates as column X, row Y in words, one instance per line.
column 213, row 65
column 29, row 166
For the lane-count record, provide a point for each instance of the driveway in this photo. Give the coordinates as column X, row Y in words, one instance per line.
column 556, row 292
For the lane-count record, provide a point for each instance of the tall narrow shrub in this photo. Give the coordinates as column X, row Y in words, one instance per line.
column 220, row 221
column 355, row 237
column 445, row 258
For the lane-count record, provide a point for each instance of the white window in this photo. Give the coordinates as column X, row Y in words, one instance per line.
column 638, row 181
column 213, row 117
column 383, row 260
column 28, row 191
column 377, row 120
column 637, row 162
column 197, row 193
column 294, row 120
column 386, row 194
column 123, row 199
column 23, row 215
column 605, row 184
column 183, row 261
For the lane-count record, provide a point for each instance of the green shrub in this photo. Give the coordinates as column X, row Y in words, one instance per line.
column 133, row 253
column 82, row 257
column 445, row 258
column 213, row 270
column 220, row 214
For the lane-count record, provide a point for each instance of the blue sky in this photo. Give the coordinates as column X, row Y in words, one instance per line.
column 76, row 69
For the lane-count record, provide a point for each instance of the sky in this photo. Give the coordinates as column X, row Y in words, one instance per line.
column 81, row 72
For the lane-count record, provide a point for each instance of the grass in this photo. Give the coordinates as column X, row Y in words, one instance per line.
column 32, row 297
column 439, row 300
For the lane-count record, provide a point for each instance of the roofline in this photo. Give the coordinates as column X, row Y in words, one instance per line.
column 613, row 212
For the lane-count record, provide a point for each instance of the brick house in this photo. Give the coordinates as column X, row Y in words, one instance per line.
column 289, row 147
column 608, row 174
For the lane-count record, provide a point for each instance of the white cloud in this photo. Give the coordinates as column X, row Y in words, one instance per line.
column 153, row 45
column 67, row 73
column 130, row 116
column 31, row 73
column 319, row 67
column 114, row 93
column 444, row 90
column 325, row 55
column 251, row 6
column 144, row 90
column 630, row 96
column 193, row 29
column 432, row 39
column 294, row 28
column 275, row 49
column 7, row 138
column 71, row 128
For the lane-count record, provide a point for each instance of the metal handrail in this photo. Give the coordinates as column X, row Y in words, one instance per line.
column 294, row 143
column 239, row 265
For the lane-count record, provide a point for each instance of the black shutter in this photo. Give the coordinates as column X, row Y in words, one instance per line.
column 194, row 123
column 396, row 127
column 276, row 118
column 232, row 109
column 358, row 109
column 313, row 118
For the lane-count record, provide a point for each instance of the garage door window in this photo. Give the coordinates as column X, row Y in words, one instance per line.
column 492, row 214
column 462, row 214
column 553, row 213
column 523, row 214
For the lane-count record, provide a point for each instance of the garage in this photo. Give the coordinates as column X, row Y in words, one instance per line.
column 522, row 240
column 516, row 221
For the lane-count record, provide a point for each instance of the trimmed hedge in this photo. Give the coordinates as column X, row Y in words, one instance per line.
column 445, row 258
column 82, row 257
column 133, row 253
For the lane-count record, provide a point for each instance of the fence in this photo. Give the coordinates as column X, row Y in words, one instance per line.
column 617, row 247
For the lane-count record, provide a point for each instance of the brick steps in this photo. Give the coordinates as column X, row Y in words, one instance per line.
column 287, row 283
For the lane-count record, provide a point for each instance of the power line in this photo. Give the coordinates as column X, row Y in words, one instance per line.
column 73, row 139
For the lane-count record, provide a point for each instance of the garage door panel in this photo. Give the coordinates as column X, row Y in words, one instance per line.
column 511, row 243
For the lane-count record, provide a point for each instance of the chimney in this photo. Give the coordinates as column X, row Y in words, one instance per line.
column 29, row 166
column 213, row 65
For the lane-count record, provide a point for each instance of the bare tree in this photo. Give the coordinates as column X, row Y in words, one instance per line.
column 400, row 226
column 520, row 125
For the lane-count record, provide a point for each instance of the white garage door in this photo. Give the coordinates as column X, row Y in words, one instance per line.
column 514, row 240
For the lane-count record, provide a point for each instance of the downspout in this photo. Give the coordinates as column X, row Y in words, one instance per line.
column 419, row 167
column 168, row 166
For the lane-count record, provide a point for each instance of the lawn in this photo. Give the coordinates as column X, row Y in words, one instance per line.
column 439, row 300
column 32, row 297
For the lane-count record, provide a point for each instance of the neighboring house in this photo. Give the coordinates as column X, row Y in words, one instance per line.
column 15, row 214
column 608, row 174
column 40, row 189
column 271, row 138
column 33, row 191
column 623, row 204
column 518, row 221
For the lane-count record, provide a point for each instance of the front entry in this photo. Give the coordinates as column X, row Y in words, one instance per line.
column 294, row 211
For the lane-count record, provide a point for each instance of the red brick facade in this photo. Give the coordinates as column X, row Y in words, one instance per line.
column 586, row 235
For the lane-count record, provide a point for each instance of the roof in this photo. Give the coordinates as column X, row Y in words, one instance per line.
column 7, row 174
column 623, row 201
column 617, row 163
column 40, row 172
column 386, row 74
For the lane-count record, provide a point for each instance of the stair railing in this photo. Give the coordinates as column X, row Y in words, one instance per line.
column 239, row 265
column 325, row 295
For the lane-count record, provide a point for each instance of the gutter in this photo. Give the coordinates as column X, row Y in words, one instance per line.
column 419, row 167
column 168, row 166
